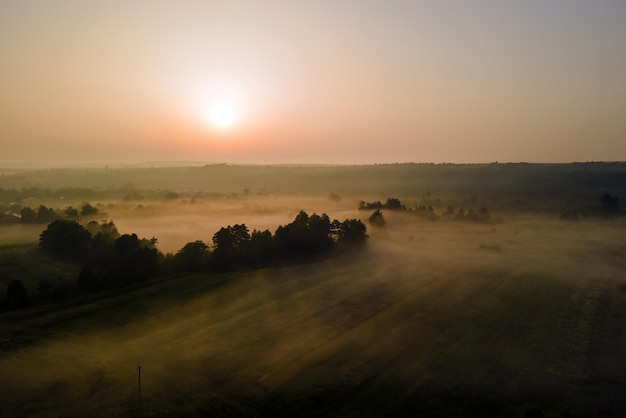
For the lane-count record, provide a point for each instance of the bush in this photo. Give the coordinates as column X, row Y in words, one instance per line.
column 17, row 297
column 376, row 219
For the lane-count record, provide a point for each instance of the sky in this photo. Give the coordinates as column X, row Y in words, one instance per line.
column 308, row 82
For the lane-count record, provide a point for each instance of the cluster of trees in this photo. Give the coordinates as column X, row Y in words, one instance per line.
column 116, row 262
column 44, row 214
column 126, row 191
column 307, row 238
column 423, row 212
column 110, row 259
column 391, row 203
column 377, row 219
column 471, row 215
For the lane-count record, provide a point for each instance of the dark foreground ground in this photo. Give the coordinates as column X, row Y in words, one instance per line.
column 524, row 318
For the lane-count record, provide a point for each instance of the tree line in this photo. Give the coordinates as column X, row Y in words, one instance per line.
column 44, row 214
column 110, row 260
column 423, row 212
column 8, row 195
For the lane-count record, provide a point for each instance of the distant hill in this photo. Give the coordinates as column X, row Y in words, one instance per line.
column 510, row 184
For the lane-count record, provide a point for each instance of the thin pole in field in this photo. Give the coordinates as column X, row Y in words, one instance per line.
column 139, row 388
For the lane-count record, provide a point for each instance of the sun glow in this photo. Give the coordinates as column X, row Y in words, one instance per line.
column 222, row 115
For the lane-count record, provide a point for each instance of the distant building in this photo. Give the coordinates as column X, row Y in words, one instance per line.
column 10, row 218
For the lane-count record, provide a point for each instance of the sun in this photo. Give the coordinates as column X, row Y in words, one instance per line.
column 222, row 114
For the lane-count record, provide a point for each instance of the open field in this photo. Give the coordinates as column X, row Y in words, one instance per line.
column 516, row 317
column 303, row 209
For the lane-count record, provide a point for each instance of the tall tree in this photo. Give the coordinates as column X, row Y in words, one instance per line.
column 229, row 247
column 45, row 215
column 29, row 216
column 194, row 256
column 66, row 239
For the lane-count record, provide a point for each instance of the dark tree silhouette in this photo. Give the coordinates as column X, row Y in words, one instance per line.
column 377, row 219
column 262, row 249
column 45, row 215
column 137, row 258
column 370, row 205
column 318, row 233
column 17, row 297
column 306, row 237
column 609, row 206
column 88, row 210
column 394, row 204
column 104, row 236
column 66, row 239
column 194, row 256
column 391, row 203
column 29, row 216
column 142, row 264
column 335, row 226
column 352, row 232
column 118, row 260
column 71, row 213
column 424, row 212
column 229, row 247
column 126, row 245
column 93, row 227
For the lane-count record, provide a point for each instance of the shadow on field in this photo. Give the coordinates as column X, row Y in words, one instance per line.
column 433, row 326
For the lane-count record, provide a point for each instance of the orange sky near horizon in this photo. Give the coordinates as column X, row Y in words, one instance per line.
column 312, row 82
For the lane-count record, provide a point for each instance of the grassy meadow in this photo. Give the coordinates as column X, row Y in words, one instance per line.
column 521, row 316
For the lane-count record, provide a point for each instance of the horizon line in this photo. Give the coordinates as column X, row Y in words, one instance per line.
column 191, row 163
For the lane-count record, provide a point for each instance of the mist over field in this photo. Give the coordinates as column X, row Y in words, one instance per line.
column 178, row 223
column 312, row 209
column 516, row 314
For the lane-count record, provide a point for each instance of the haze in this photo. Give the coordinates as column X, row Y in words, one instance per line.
column 312, row 82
